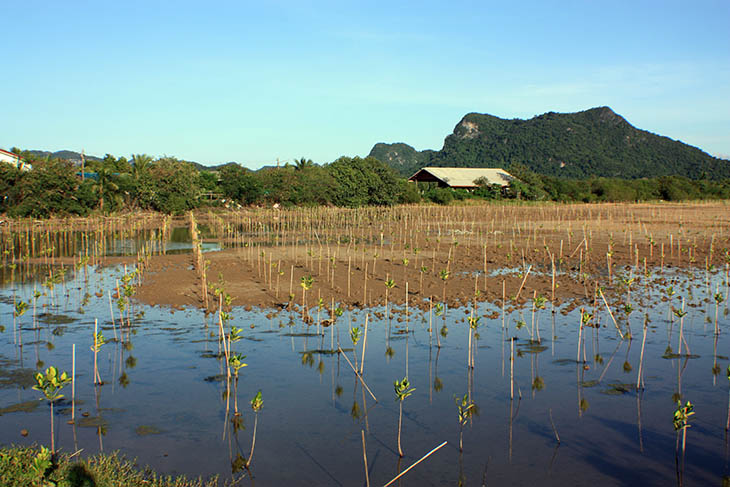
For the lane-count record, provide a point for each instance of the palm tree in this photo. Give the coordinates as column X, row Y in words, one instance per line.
column 140, row 165
column 302, row 164
column 106, row 187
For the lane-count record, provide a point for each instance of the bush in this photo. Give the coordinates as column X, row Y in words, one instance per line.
column 441, row 196
column 32, row 466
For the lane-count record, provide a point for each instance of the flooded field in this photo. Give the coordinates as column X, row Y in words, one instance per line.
column 552, row 343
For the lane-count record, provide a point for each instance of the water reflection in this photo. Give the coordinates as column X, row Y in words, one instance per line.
column 319, row 411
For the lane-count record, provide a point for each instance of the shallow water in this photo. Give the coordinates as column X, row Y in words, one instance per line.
column 163, row 401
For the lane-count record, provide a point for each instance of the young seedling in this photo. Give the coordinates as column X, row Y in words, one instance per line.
column 585, row 320
column 681, row 423
column 444, row 275
column 403, row 389
column 355, row 334
column 235, row 333
column 257, row 403
column 719, row 298
column 20, row 308
column 439, row 311
column 465, row 408
column 306, row 283
column 473, row 325
column 99, row 341
column 389, row 284
column 538, row 303
column 681, row 313
column 235, row 361
column 50, row 384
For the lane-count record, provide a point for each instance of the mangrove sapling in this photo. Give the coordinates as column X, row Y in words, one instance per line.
column 355, row 334
column 257, row 403
column 19, row 310
column 585, row 319
column 50, row 384
column 473, row 325
column 444, row 275
column 306, row 283
column 719, row 298
column 465, row 409
column 236, row 363
column 403, row 389
column 538, row 303
column 389, row 284
column 438, row 311
column 681, row 313
column 681, row 423
column 99, row 341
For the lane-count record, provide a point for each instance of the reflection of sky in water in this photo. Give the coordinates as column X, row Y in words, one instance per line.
column 131, row 247
column 306, row 432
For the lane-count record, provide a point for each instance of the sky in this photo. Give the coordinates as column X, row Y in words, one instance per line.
column 251, row 82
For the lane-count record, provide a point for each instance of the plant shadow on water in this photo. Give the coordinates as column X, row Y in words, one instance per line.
column 170, row 404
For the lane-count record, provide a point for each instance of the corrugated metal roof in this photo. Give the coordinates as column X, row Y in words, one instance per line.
column 464, row 177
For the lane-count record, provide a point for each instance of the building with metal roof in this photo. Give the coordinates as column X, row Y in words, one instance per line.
column 461, row 177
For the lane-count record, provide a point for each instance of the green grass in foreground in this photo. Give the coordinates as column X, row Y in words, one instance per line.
column 32, row 467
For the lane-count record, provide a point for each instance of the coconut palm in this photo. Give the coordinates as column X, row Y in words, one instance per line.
column 302, row 164
column 140, row 165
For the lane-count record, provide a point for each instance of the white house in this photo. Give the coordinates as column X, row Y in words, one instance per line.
column 15, row 160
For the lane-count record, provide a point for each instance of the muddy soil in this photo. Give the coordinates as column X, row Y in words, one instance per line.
column 562, row 252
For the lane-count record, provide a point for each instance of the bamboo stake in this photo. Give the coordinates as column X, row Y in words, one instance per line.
column 365, row 459
column 73, row 383
column 639, row 379
column 364, row 343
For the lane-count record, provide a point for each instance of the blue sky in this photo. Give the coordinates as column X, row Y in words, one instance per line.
column 256, row 81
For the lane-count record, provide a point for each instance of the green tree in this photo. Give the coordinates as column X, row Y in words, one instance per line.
column 51, row 188
column 169, row 186
column 140, row 165
column 240, row 184
column 363, row 182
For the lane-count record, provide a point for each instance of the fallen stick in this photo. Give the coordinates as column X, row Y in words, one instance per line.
column 419, row 461
column 524, row 279
column 610, row 314
column 557, row 437
column 576, row 249
column 357, row 373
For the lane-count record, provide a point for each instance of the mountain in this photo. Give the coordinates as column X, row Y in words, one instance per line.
column 402, row 157
column 594, row 142
column 68, row 155
column 201, row 167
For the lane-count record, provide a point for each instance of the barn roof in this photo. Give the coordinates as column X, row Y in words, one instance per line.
column 464, row 177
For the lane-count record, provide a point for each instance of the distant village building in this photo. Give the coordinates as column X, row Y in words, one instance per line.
column 461, row 177
column 15, row 160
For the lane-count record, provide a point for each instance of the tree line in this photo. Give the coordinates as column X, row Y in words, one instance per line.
column 57, row 187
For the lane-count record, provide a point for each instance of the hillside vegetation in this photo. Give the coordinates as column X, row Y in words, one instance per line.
column 592, row 143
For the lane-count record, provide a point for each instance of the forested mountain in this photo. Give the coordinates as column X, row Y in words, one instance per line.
column 595, row 142
column 64, row 154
